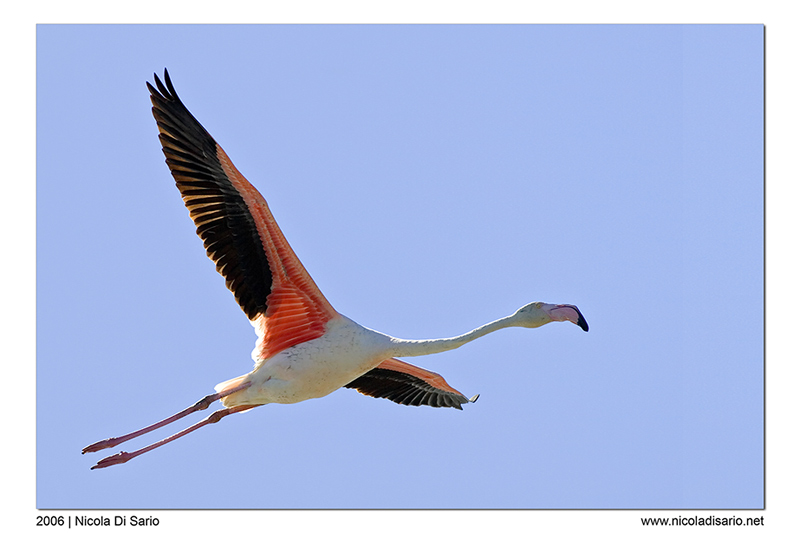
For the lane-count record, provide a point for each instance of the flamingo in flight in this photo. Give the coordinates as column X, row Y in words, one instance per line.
column 305, row 348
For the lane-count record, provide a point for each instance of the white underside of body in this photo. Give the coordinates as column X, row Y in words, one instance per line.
column 314, row 368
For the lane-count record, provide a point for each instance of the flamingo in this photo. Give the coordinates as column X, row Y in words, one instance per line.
column 305, row 348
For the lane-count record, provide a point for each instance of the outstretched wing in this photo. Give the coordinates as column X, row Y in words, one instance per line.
column 238, row 231
column 407, row 384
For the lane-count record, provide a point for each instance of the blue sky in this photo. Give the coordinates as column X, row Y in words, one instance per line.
column 431, row 179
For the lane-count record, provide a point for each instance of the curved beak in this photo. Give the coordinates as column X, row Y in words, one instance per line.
column 560, row 313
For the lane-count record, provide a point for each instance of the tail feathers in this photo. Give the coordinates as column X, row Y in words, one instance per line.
column 231, row 400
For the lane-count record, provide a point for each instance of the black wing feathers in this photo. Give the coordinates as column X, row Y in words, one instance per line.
column 404, row 389
column 223, row 221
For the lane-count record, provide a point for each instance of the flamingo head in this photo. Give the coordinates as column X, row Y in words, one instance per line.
column 538, row 314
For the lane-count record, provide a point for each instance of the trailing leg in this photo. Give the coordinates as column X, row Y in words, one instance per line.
column 124, row 457
column 199, row 406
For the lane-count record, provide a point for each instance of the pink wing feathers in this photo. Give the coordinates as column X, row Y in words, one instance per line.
column 238, row 231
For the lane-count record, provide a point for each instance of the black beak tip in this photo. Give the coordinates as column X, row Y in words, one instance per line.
column 582, row 322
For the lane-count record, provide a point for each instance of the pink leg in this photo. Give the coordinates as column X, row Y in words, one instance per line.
column 199, row 406
column 124, row 457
